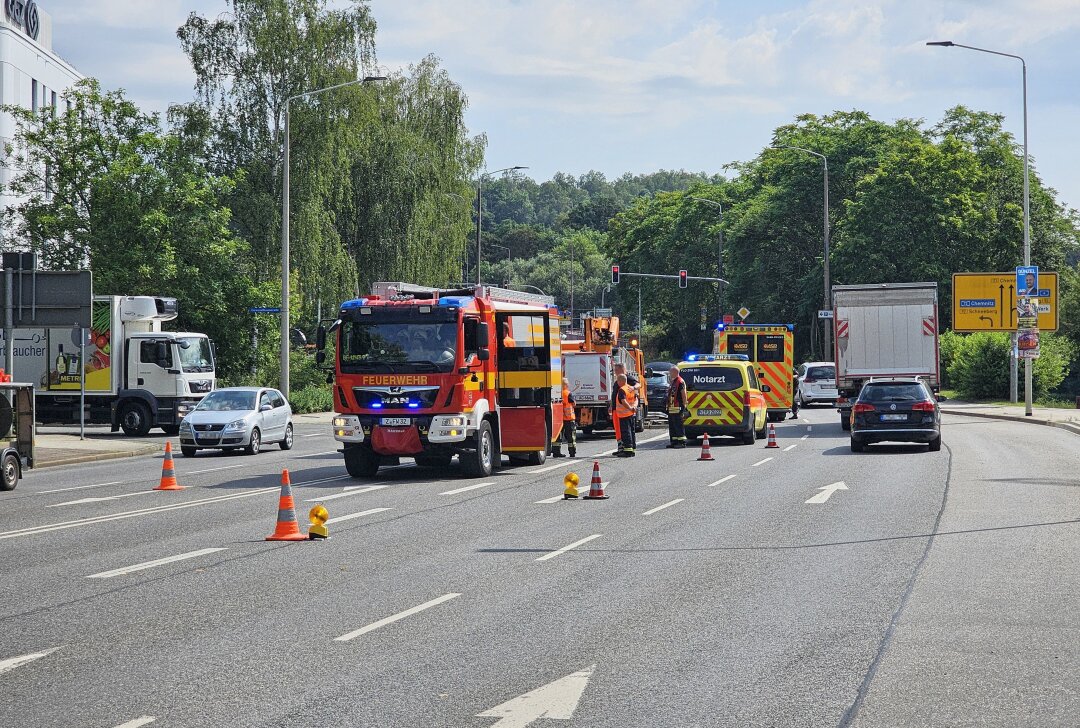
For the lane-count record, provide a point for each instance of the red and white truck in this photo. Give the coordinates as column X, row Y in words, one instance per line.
column 884, row 330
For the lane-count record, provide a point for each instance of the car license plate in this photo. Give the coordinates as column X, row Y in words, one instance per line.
column 395, row 421
column 893, row 418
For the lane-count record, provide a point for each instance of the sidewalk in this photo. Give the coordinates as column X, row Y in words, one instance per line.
column 56, row 445
column 1066, row 419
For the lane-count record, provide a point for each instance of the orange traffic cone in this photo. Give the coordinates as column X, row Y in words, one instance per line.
column 287, row 528
column 596, row 488
column 772, row 437
column 168, row 474
column 705, row 453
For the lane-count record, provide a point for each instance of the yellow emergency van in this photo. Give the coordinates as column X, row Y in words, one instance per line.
column 724, row 397
column 771, row 347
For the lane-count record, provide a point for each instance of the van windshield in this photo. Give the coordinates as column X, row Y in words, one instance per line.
column 713, row 379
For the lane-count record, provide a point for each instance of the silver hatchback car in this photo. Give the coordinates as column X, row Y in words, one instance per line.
column 238, row 417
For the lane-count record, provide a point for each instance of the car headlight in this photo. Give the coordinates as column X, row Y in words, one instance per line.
column 185, row 426
column 341, row 422
column 236, row 425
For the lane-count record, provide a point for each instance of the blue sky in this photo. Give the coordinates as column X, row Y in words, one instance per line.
column 641, row 85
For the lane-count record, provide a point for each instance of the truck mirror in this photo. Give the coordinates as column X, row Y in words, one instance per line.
column 765, row 388
column 320, row 357
column 162, row 353
column 483, row 334
column 320, row 341
column 184, row 343
column 483, row 354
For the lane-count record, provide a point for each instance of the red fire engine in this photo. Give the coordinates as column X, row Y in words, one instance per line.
column 430, row 373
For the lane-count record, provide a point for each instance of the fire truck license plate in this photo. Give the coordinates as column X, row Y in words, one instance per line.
column 395, row 422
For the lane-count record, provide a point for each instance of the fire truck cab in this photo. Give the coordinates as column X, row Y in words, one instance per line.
column 432, row 373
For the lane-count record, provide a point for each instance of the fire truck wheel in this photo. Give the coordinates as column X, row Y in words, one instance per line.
column 361, row 462
column 479, row 463
column 639, row 421
column 540, row 457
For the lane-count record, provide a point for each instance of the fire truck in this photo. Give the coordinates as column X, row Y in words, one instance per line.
column 431, row 373
column 771, row 347
column 589, row 364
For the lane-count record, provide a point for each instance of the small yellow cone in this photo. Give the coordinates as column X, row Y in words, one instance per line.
column 318, row 517
column 570, row 480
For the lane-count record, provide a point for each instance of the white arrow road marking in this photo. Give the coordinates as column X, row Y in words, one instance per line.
column 725, row 479
column 574, row 545
column 151, row 564
column 556, row 701
column 346, row 494
column 826, row 491
column 455, row 491
column 12, row 662
column 101, row 499
column 660, row 508
column 350, row 516
column 140, row 721
column 401, row 615
column 761, row 462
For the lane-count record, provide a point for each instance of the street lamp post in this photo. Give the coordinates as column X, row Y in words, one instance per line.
column 826, row 323
column 285, row 272
column 719, row 254
column 480, row 211
column 1027, row 212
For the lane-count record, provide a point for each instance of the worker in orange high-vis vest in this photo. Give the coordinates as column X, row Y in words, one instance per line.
column 626, row 406
column 619, row 369
column 569, row 424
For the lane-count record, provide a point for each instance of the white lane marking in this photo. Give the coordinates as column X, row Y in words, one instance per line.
column 606, row 453
column 83, row 487
column 804, row 437
column 12, row 662
column 725, row 479
column 317, row 454
column 97, row 500
column 791, row 447
column 33, row 530
column 660, row 508
column 549, row 468
column 557, row 700
column 574, row 545
column 214, row 470
column 826, row 491
column 455, row 491
column 151, row 564
column 140, row 721
column 350, row 516
column 346, row 494
column 400, row 615
column 316, row 434
column 581, row 490
column 761, row 462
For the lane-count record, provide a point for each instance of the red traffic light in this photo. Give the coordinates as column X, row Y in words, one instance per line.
column 614, row 274
column 682, row 279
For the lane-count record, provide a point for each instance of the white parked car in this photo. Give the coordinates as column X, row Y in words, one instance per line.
column 238, row 417
column 817, row 383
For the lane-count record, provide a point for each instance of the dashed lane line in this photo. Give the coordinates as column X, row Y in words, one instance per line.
column 346, row 494
column 725, row 479
column 350, row 516
column 140, row 721
column 13, row 662
column 400, row 615
column 102, row 499
column 791, row 447
column 574, row 545
column 156, row 562
column 761, row 462
column 455, row 491
column 82, row 487
column 804, row 437
column 660, row 508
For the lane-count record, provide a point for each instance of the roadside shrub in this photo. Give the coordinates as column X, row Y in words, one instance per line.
column 312, row 399
column 1056, row 354
column 948, row 345
column 980, row 366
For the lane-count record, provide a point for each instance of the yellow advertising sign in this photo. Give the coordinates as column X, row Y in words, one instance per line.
column 987, row 301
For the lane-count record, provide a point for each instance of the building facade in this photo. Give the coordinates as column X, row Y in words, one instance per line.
column 32, row 75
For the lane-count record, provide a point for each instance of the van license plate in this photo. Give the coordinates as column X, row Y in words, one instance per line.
column 893, row 418
column 395, row 421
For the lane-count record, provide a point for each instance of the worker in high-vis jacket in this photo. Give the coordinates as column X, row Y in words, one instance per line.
column 619, row 370
column 626, row 406
column 569, row 424
column 676, row 408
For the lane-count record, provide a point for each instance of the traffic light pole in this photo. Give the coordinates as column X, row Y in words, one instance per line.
column 616, row 274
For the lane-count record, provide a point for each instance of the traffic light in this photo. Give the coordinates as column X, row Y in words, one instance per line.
column 614, row 274
column 682, row 279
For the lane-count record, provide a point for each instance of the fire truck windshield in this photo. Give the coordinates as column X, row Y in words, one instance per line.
column 398, row 347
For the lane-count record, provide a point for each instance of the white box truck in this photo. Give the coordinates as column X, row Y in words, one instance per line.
column 883, row 330
column 137, row 376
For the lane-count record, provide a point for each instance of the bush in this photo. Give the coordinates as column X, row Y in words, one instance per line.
column 948, row 345
column 312, row 399
column 1056, row 354
column 980, row 366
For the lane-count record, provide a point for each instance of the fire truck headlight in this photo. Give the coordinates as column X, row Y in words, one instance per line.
column 341, row 422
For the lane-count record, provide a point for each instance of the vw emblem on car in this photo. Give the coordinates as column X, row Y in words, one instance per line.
column 892, row 407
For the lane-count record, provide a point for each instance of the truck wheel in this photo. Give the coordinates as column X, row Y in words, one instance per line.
column 540, row 457
column 639, row 421
column 171, row 429
column 479, row 463
column 135, row 419
column 587, row 431
column 361, row 462
column 9, row 472
column 749, row 438
column 845, row 422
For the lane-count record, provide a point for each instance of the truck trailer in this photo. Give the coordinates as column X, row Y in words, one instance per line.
column 136, row 375
column 884, row 330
